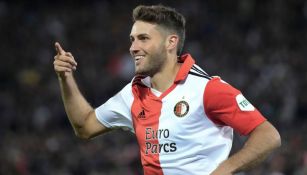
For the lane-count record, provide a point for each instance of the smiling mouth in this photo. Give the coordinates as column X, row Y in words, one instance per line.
column 138, row 58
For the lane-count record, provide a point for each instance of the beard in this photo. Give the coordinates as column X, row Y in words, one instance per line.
column 153, row 63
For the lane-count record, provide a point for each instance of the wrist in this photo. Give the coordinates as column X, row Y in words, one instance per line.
column 64, row 76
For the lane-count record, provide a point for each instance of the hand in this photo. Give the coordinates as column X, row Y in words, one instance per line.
column 64, row 63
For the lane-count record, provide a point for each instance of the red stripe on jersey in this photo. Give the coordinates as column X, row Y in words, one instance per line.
column 146, row 128
column 221, row 107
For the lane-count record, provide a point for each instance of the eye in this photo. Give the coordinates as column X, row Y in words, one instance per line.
column 143, row 38
column 131, row 39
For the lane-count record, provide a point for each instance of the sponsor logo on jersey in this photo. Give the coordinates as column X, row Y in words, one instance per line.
column 244, row 104
column 181, row 109
column 163, row 146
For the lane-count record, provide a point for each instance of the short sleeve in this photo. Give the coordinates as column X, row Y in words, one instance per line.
column 115, row 113
column 225, row 105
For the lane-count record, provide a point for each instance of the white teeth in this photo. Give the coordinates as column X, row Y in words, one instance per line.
column 138, row 57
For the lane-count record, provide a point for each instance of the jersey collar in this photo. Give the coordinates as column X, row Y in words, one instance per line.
column 187, row 63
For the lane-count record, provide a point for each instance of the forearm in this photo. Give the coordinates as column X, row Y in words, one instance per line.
column 262, row 141
column 76, row 107
column 245, row 159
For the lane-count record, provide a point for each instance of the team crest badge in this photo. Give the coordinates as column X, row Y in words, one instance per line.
column 181, row 109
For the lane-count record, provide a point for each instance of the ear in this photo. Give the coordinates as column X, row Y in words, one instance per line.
column 172, row 42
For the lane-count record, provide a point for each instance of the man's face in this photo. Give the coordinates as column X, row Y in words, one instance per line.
column 147, row 48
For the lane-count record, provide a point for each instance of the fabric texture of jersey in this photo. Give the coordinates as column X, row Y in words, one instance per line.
column 188, row 129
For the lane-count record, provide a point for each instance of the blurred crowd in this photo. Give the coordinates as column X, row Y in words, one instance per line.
column 258, row 46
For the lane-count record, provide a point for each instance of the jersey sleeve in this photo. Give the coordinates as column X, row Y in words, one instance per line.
column 226, row 106
column 115, row 113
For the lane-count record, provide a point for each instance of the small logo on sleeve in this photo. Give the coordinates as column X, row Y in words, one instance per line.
column 244, row 104
column 181, row 109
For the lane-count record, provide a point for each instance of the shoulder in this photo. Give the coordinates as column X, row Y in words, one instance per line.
column 218, row 94
column 218, row 86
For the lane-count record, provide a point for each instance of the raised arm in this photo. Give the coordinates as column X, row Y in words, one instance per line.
column 80, row 113
column 261, row 142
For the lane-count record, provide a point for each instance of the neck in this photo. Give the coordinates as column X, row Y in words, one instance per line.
column 165, row 78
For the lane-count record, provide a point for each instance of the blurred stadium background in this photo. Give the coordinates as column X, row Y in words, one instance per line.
column 258, row 46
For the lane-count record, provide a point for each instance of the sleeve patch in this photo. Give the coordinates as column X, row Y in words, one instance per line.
column 244, row 104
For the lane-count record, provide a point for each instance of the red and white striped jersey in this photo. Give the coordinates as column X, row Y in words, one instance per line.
column 188, row 129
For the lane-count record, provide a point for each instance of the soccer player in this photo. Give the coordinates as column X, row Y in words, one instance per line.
column 182, row 117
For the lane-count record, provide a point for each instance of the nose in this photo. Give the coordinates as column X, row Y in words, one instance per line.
column 134, row 48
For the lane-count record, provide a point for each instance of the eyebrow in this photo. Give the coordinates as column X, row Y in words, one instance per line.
column 141, row 34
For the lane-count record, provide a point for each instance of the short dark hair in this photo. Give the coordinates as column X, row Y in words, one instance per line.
column 166, row 17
